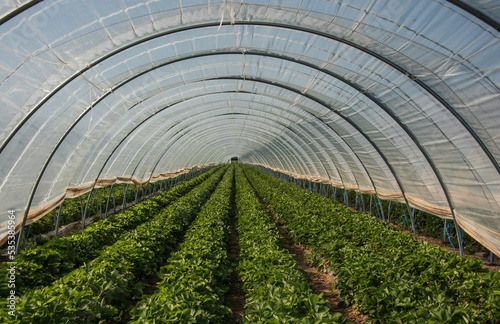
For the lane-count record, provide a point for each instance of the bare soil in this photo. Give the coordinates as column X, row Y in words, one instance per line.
column 235, row 297
column 320, row 282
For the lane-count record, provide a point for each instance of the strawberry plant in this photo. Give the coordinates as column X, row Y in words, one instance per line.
column 195, row 277
column 101, row 288
column 276, row 287
column 43, row 265
column 380, row 270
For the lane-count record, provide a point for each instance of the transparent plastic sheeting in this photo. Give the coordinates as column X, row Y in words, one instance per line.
column 394, row 98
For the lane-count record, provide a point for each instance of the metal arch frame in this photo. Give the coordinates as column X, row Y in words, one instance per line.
column 129, row 134
column 206, row 130
column 255, row 131
column 18, row 11
column 341, row 140
column 340, row 78
column 268, row 24
column 245, row 92
column 290, row 111
column 102, row 98
column 282, row 148
column 237, row 78
column 361, row 163
column 312, row 66
column 291, row 59
column 152, row 147
column 253, row 139
column 345, row 81
column 328, row 126
column 361, row 166
column 476, row 13
column 165, row 150
column 282, row 57
column 208, row 155
column 289, row 140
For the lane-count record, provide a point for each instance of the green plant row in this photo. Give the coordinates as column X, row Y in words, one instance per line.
column 72, row 209
column 102, row 289
column 42, row 265
column 275, row 286
column 383, row 272
column 195, row 278
column 397, row 213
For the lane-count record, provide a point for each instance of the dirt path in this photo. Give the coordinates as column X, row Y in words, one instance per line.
column 235, row 297
column 320, row 282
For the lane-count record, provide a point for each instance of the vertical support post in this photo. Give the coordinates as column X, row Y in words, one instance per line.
column 381, row 209
column 124, row 202
column 460, row 238
column 100, row 204
column 114, row 201
column 492, row 258
column 81, row 206
column 371, row 202
column 59, row 218
column 27, row 235
column 107, row 200
column 412, row 217
column 389, row 211
column 444, row 230
column 86, row 208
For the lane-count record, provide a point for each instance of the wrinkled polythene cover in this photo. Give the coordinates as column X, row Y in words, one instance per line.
column 394, row 98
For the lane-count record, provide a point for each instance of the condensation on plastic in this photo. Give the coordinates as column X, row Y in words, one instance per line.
column 128, row 91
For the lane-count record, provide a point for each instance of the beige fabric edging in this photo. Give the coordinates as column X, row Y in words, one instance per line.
column 488, row 238
column 429, row 208
column 394, row 196
column 35, row 213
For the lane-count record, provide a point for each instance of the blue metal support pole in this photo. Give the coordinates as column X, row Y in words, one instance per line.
column 412, row 217
column 381, row 209
column 26, row 237
column 107, row 200
column 86, row 208
column 389, row 211
column 124, row 203
column 114, row 201
column 59, row 218
column 81, row 206
column 100, row 204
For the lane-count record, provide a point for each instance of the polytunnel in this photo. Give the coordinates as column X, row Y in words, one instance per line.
column 395, row 98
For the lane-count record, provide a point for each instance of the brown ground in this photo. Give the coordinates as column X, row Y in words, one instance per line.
column 235, row 297
column 320, row 282
column 152, row 286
